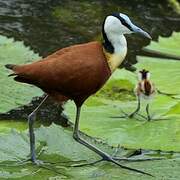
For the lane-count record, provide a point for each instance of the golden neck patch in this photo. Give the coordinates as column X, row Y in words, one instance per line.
column 115, row 59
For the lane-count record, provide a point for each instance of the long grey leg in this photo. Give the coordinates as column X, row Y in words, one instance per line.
column 104, row 155
column 137, row 109
column 31, row 119
column 147, row 111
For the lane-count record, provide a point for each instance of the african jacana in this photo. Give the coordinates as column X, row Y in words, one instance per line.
column 144, row 90
column 78, row 71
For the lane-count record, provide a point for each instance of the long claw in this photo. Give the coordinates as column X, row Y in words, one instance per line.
column 136, row 160
column 129, row 168
column 113, row 161
column 125, row 115
column 87, row 164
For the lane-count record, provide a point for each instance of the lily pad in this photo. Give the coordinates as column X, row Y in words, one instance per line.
column 14, row 52
column 60, row 148
column 175, row 109
column 167, row 45
column 64, row 153
column 6, row 126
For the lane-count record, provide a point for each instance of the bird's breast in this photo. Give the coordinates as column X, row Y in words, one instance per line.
column 114, row 60
column 145, row 89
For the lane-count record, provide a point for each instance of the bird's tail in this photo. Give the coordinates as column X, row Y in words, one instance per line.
column 12, row 67
column 19, row 75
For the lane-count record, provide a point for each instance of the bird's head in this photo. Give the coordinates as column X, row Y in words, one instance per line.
column 144, row 74
column 119, row 23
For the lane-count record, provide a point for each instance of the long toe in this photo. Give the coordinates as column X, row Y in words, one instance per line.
column 110, row 159
column 125, row 115
column 38, row 162
column 87, row 164
column 149, row 118
column 131, row 115
column 118, row 116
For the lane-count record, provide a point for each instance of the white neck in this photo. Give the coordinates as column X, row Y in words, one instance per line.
column 119, row 43
column 120, row 49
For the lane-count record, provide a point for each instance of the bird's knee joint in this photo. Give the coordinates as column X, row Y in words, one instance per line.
column 106, row 158
column 131, row 115
column 76, row 136
column 31, row 117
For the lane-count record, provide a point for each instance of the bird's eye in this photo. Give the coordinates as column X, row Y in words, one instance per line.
column 124, row 22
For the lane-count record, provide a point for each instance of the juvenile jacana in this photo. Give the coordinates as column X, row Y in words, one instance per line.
column 78, row 71
column 144, row 90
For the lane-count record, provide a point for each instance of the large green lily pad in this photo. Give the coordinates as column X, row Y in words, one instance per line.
column 60, row 148
column 167, row 45
column 13, row 94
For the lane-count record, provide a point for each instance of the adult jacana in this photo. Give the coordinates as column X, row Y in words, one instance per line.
column 78, row 71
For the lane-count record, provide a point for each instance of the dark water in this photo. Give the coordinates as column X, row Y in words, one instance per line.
column 48, row 25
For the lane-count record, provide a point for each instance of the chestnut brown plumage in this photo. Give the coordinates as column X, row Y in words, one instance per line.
column 77, row 72
column 66, row 73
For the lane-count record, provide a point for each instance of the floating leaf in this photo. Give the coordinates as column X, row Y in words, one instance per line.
column 175, row 109
column 64, row 152
column 167, row 45
column 59, row 147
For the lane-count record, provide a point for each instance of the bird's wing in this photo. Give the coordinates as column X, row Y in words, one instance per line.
column 73, row 70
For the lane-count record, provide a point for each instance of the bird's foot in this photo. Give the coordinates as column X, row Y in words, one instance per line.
column 30, row 160
column 24, row 162
column 123, row 116
column 114, row 160
column 87, row 164
column 104, row 155
column 130, row 116
column 144, row 117
column 45, row 165
column 136, row 159
column 39, row 162
column 150, row 118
